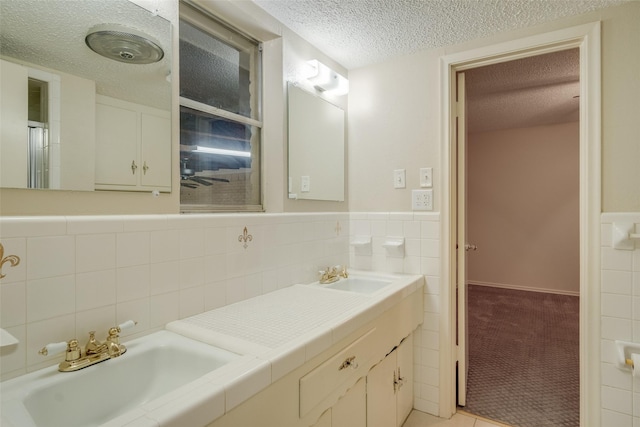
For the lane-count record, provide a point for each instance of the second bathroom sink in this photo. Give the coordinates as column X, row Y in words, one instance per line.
column 366, row 283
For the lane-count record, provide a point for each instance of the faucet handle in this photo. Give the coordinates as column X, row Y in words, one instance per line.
column 53, row 348
column 127, row 325
column 114, row 332
column 73, row 349
column 114, row 348
column 344, row 273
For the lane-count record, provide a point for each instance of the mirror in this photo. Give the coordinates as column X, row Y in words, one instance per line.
column 316, row 147
column 57, row 96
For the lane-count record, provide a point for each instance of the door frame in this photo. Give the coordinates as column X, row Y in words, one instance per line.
column 586, row 37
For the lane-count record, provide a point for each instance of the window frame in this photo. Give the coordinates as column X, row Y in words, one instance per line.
column 205, row 21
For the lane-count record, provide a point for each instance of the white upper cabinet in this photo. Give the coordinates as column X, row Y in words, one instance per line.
column 13, row 125
column 133, row 146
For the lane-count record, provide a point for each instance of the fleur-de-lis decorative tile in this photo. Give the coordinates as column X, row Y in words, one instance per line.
column 245, row 238
column 11, row 259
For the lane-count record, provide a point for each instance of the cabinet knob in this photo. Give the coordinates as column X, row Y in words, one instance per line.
column 145, row 168
column 133, row 167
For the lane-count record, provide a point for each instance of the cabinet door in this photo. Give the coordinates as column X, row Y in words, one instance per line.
column 156, row 151
column 325, row 419
column 13, row 125
column 351, row 409
column 381, row 396
column 404, row 396
column 116, row 146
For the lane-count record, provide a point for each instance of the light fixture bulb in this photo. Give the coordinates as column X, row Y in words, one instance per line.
column 324, row 79
column 222, row 151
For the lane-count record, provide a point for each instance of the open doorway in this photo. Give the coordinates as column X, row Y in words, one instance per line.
column 587, row 39
column 522, row 215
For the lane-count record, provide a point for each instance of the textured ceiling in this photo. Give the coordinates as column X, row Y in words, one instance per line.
column 534, row 91
column 361, row 32
column 51, row 34
column 529, row 92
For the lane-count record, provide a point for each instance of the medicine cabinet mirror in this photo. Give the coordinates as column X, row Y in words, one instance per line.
column 56, row 89
column 316, row 147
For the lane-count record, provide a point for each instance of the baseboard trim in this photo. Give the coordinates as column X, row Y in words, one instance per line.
column 525, row 288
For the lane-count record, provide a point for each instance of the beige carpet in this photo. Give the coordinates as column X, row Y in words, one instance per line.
column 523, row 357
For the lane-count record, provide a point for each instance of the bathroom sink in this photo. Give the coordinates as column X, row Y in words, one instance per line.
column 152, row 366
column 360, row 284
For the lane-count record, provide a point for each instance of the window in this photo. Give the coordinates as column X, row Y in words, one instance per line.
column 220, row 121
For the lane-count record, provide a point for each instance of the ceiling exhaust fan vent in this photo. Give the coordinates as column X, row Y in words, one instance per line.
column 123, row 45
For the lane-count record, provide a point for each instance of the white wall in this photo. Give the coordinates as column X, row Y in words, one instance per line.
column 394, row 115
column 523, row 208
column 393, row 124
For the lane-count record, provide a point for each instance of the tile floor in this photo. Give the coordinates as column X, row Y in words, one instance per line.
column 461, row 419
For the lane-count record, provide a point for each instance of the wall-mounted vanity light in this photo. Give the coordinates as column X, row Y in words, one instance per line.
column 325, row 79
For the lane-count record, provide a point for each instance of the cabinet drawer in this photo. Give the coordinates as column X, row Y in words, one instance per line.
column 342, row 369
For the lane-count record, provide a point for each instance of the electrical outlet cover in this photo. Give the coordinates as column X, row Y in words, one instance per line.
column 422, row 200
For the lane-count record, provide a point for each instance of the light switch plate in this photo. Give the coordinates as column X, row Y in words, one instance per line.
column 399, row 178
column 426, row 177
column 305, row 184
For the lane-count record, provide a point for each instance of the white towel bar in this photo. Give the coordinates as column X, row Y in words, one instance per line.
column 622, row 236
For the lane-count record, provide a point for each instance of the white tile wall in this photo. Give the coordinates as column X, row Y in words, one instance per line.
column 422, row 256
column 89, row 273
column 620, row 320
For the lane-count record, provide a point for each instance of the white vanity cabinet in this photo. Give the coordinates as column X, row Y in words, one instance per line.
column 331, row 388
column 350, row 411
column 390, row 388
column 133, row 146
column 338, row 373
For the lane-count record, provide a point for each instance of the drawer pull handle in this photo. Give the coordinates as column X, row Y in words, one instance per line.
column 349, row 362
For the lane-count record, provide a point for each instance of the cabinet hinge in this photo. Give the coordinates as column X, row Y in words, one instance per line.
column 458, row 106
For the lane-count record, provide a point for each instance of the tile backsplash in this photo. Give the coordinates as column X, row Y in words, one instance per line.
column 421, row 233
column 83, row 273
column 78, row 274
column 620, row 320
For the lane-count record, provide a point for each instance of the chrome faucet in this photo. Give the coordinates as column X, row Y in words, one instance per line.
column 94, row 350
column 333, row 274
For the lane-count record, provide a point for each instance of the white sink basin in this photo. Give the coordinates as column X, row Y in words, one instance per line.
column 361, row 285
column 152, row 366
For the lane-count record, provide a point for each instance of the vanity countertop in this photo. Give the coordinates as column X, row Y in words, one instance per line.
column 275, row 333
